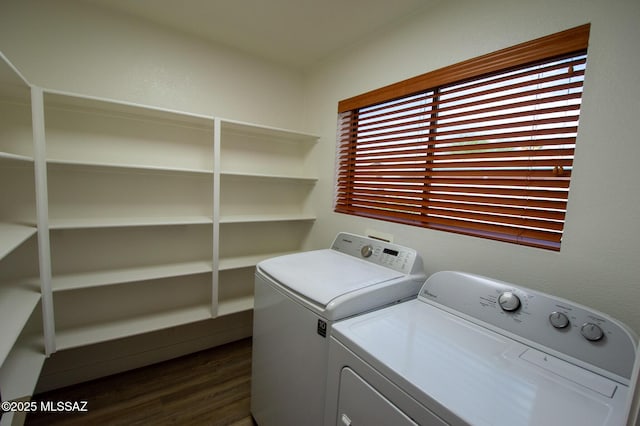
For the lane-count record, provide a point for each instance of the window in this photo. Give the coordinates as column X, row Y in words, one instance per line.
column 482, row 148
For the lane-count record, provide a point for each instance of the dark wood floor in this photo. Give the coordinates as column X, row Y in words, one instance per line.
column 211, row 387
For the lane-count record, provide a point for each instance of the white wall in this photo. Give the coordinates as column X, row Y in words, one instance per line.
column 71, row 46
column 599, row 264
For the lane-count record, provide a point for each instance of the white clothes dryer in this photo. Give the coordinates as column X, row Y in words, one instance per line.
column 476, row 351
column 298, row 298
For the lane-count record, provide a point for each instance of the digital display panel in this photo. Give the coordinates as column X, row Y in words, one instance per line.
column 391, row 252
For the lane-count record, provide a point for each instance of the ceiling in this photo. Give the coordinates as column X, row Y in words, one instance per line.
column 296, row 33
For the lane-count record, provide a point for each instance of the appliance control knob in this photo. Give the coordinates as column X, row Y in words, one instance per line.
column 508, row 301
column 591, row 332
column 366, row 251
column 558, row 319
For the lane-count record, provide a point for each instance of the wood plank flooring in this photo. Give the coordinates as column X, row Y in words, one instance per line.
column 211, row 387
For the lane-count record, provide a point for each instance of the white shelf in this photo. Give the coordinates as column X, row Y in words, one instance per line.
column 8, row 157
column 235, row 305
column 17, row 302
column 246, row 261
column 11, row 236
column 127, row 275
column 10, row 76
column 303, row 179
column 20, row 371
column 92, row 132
column 96, row 193
column 124, row 166
column 83, row 223
column 266, row 218
column 265, row 152
column 96, row 333
column 267, row 131
column 127, row 110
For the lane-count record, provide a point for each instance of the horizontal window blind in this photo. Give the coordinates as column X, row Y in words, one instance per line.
column 489, row 156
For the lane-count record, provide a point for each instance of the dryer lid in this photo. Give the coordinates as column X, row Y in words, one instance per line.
column 463, row 371
column 322, row 275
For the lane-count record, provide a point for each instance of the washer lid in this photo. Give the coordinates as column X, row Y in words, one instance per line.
column 322, row 275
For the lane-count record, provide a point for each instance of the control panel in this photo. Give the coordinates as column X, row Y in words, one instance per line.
column 509, row 301
column 393, row 256
column 563, row 327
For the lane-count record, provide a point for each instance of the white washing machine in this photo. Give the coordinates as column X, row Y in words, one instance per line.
column 475, row 351
column 298, row 297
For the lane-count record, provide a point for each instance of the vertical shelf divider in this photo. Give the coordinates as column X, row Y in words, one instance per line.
column 42, row 209
column 216, row 216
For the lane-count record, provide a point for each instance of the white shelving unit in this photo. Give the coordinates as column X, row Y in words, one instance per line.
column 130, row 214
column 21, row 350
column 263, row 206
column 146, row 219
column 156, row 202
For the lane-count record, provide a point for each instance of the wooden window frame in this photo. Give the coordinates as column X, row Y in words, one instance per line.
column 571, row 43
